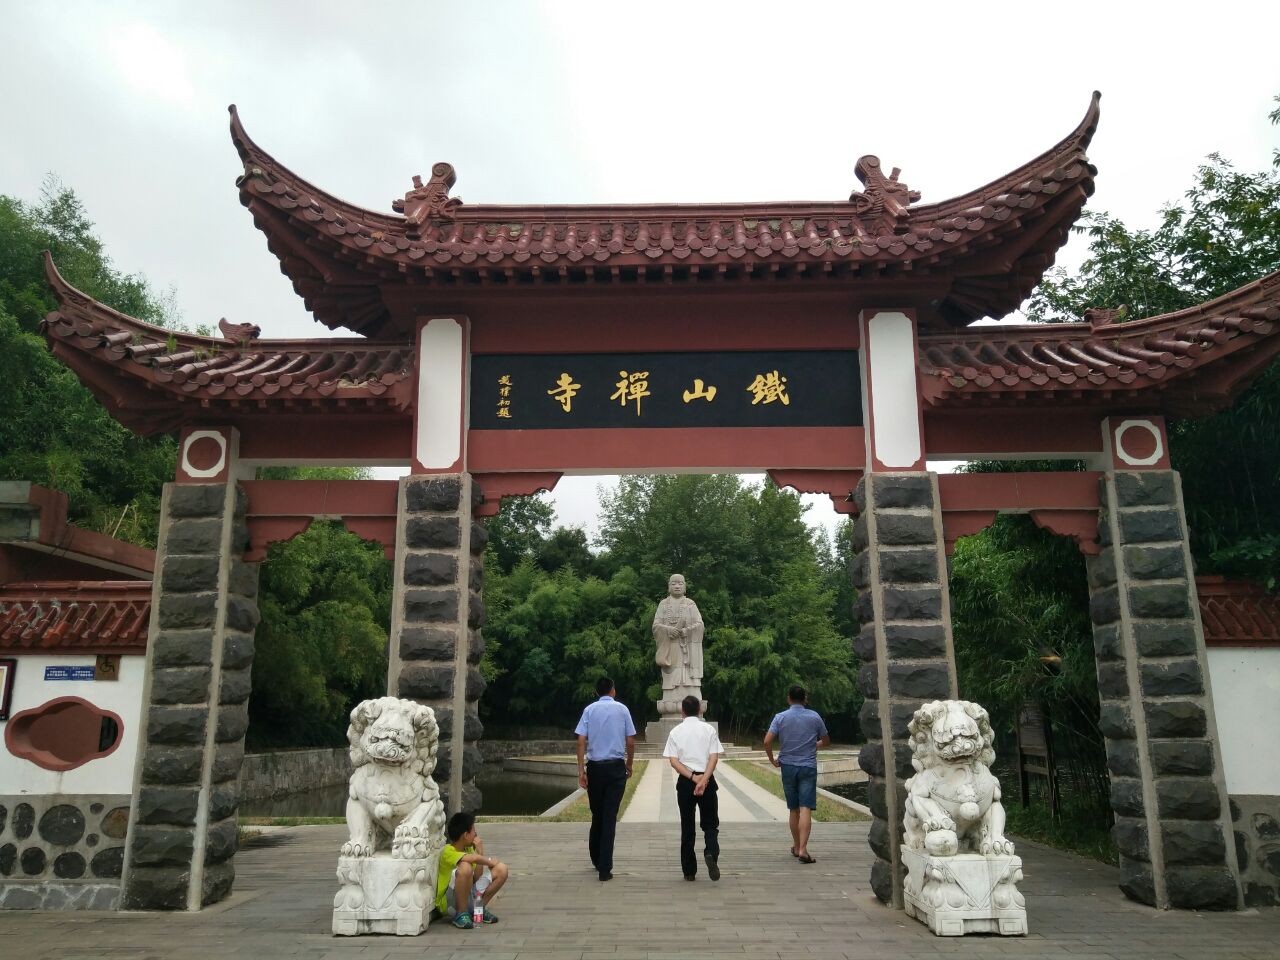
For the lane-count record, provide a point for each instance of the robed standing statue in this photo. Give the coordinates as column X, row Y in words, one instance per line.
column 677, row 631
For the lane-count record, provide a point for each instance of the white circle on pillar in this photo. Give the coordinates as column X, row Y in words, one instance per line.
column 218, row 466
column 1148, row 427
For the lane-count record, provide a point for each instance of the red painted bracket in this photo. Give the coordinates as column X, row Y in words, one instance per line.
column 839, row 485
column 495, row 486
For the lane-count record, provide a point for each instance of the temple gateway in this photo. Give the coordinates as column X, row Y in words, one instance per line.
column 827, row 343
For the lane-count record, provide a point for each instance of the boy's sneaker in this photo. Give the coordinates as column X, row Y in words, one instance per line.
column 463, row 921
column 490, row 917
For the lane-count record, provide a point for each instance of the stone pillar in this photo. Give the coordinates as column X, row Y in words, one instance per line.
column 905, row 644
column 1173, row 822
column 437, row 612
column 182, row 825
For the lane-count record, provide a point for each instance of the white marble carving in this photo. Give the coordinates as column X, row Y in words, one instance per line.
column 961, row 874
column 387, row 869
column 677, row 634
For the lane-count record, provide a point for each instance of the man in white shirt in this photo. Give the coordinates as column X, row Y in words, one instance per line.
column 694, row 748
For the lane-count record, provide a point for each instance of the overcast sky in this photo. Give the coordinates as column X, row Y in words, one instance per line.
column 597, row 103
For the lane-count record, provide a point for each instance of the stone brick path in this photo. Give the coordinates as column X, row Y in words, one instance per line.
column 741, row 801
column 766, row 906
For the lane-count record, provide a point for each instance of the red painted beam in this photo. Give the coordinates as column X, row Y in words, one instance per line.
column 722, row 449
column 1019, row 492
column 281, row 509
column 1064, row 503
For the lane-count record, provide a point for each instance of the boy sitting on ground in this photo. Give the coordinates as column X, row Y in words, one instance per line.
column 464, row 865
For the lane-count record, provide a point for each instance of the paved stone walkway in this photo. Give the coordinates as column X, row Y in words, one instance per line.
column 766, row 907
column 741, row 801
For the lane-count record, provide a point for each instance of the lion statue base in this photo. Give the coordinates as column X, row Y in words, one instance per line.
column 395, row 821
column 961, row 872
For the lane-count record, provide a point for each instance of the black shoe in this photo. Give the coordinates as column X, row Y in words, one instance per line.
column 691, row 876
column 713, row 868
column 605, row 875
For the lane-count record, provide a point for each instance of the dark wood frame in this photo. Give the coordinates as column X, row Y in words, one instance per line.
column 10, row 666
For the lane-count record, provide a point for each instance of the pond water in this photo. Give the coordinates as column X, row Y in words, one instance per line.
column 857, row 792
column 504, row 793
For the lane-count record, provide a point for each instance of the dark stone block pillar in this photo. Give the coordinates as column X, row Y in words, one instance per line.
column 1173, row 822
column 182, row 826
column 903, row 606
column 438, row 611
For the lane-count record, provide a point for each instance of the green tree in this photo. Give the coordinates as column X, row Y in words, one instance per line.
column 1224, row 233
column 53, row 431
column 321, row 645
column 752, row 565
column 519, row 529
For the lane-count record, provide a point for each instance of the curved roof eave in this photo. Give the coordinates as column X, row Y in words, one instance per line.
column 996, row 240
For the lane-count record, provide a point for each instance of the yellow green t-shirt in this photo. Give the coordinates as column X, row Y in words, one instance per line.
column 449, row 858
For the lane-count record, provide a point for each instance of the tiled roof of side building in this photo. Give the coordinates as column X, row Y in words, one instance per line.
column 75, row 617
column 1238, row 613
column 1187, row 363
column 993, row 243
column 131, row 365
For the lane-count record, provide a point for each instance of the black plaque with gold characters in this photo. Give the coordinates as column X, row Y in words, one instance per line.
column 799, row 388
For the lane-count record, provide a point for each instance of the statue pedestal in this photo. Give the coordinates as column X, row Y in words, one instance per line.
column 657, row 731
column 966, row 893
column 384, row 894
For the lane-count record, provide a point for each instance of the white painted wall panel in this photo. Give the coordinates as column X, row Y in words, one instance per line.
column 110, row 774
column 439, row 412
column 894, row 397
column 1246, row 699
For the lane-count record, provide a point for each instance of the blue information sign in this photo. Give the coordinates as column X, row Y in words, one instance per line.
column 69, row 673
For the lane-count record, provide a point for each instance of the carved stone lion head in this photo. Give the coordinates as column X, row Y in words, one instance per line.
column 394, row 732
column 951, row 732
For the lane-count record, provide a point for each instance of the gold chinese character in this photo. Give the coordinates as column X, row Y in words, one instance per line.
column 700, row 392
column 504, row 391
column 504, row 380
column 564, row 391
column 632, row 386
column 768, row 387
column 504, row 412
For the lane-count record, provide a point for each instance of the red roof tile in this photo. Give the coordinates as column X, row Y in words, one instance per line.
column 1237, row 613
column 993, row 243
column 75, row 617
column 130, row 364
column 1187, row 363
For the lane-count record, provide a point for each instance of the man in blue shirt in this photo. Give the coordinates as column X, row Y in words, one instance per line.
column 799, row 732
column 606, row 747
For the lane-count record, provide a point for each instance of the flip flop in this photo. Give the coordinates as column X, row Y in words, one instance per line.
column 806, row 859
column 794, row 854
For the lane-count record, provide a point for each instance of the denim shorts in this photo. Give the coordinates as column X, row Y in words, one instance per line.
column 800, row 786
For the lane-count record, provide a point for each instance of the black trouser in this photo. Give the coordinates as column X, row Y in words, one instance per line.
column 708, row 807
column 606, row 782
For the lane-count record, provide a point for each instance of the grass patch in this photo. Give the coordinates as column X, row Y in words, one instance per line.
column 290, row 821
column 1080, row 830
column 828, row 810
column 580, row 810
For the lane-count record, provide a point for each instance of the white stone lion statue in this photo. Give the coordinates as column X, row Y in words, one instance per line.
column 953, row 801
column 393, row 802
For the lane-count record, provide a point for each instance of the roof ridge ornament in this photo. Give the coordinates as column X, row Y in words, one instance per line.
column 239, row 332
column 430, row 201
column 883, row 195
column 1105, row 316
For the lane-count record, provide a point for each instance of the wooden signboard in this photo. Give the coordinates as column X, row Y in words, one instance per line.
column 1035, row 754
